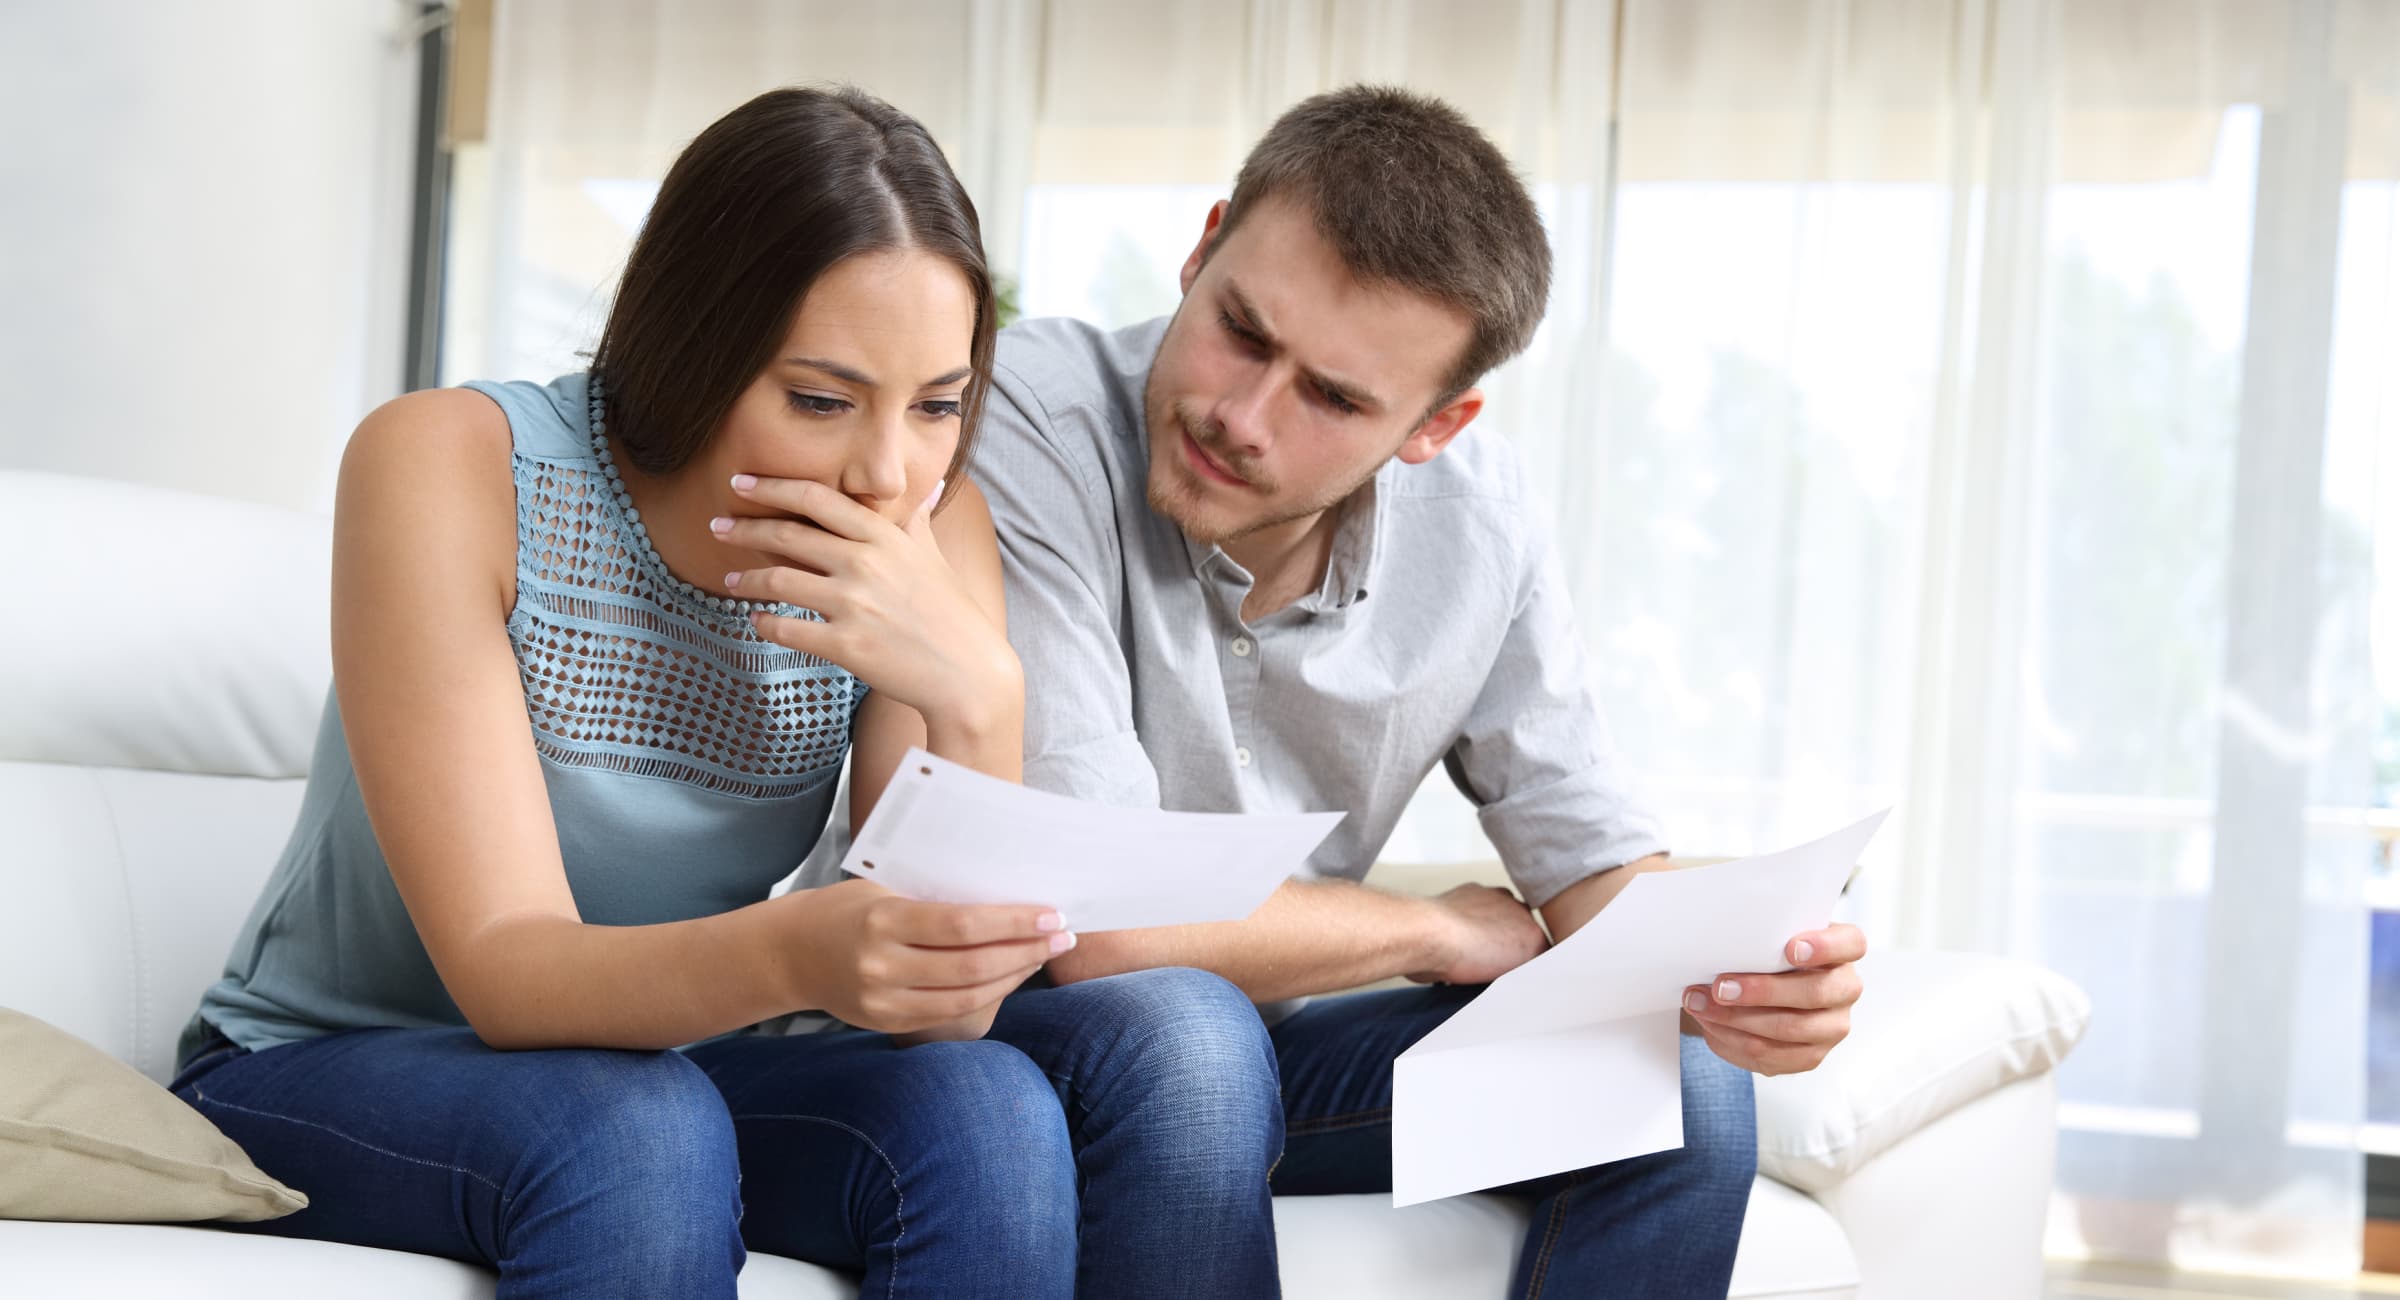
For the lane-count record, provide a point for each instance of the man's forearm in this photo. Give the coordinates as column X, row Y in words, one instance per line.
column 1571, row 908
column 1315, row 936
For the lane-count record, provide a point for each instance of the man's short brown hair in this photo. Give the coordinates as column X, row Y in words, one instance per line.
column 1410, row 194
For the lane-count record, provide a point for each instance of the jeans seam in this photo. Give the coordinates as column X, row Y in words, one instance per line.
column 221, row 1104
column 899, row 1198
column 1558, row 1219
column 1064, row 1084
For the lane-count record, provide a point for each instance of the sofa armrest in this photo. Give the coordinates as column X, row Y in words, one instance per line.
column 1933, row 1032
column 1957, row 1208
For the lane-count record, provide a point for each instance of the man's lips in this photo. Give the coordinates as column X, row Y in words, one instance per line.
column 1209, row 468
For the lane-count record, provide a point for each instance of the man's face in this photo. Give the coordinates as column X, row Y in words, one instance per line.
column 1283, row 383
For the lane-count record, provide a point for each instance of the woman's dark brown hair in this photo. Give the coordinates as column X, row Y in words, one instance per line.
column 763, row 202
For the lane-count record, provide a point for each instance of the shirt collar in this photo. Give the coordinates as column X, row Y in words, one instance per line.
column 1349, row 567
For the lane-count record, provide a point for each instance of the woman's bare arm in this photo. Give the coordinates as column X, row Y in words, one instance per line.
column 994, row 744
column 434, row 713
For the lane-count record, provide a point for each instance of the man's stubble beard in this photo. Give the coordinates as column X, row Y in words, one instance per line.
column 1178, row 500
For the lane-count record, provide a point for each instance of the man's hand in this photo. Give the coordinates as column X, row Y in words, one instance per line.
column 1784, row 1024
column 1491, row 933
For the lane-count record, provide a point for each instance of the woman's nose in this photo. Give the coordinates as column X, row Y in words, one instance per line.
column 877, row 474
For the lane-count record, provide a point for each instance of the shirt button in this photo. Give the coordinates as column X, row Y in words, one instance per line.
column 1241, row 647
column 1242, row 756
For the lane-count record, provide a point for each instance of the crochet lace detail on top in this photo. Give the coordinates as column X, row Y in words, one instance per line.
column 629, row 669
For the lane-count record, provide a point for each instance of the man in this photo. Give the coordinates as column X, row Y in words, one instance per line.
column 1258, row 561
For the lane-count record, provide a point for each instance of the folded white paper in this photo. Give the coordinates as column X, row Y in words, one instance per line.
column 950, row 834
column 1572, row 1059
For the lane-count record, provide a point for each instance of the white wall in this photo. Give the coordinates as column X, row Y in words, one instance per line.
column 204, row 221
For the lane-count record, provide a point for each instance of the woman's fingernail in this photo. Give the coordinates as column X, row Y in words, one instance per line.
column 1061, row 942
column 744, row 482
column 1049, row 921
column 1801, row 951
column 733, row 580
column 1695, row 1001
column 720, row 525
column 1727, row 990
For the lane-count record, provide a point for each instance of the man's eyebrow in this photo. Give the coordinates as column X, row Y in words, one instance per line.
column 1247, row 312
column 845, row 373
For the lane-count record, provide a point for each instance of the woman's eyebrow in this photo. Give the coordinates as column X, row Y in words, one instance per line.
column 848, row 375
column 835, row 369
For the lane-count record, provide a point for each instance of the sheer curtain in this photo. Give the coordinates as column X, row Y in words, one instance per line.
column 204, row 284
column 1983, row 406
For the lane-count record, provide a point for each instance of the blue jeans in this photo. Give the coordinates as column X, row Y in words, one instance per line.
column 1661, row 1226
column 1168, row 1082
column 1122, row 1130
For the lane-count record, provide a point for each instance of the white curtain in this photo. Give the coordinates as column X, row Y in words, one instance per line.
column 1983, row 406
column 203, row 280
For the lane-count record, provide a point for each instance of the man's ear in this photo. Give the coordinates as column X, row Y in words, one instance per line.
column 1208, row 236
column 1446, row 422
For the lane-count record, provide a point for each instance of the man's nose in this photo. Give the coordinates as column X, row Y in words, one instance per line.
column 1243, row 414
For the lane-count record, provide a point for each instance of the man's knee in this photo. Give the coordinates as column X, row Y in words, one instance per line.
column 1184, row 1031
column 1010, row 1145
column 1720, row 1118
column 1182, row 1054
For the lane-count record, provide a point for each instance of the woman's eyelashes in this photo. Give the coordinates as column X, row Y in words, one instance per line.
column 939, row 408
column 815, row 403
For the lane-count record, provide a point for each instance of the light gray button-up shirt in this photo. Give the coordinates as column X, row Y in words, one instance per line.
column 1440, row 635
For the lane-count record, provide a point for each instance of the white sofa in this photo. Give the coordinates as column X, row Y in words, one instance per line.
column 162, row 663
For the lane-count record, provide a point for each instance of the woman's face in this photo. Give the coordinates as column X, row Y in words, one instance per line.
column 865, row 393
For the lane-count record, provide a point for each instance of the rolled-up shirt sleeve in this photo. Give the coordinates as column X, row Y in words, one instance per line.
column 1053, row 511
column 1535, row 756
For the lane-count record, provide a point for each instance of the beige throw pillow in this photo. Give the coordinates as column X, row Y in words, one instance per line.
column 85, row 1137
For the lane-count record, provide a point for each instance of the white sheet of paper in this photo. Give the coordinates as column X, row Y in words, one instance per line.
column 1572, row 1058
column 950, row 834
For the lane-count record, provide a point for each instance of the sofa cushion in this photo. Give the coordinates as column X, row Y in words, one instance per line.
column 112, row 1261
column 125, row 889
column 84, row 1137
column 1332, row 1248
column 1933, row 1032
column 1462, row 1247
column 224, row 671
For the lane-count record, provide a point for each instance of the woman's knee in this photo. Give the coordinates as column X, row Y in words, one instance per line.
column 637, row 1140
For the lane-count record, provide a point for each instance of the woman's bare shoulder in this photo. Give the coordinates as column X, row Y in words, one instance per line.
column 434, row 432
column 432, row 468
column 965, row 519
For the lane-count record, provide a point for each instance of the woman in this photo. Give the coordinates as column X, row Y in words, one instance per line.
column 600, row 648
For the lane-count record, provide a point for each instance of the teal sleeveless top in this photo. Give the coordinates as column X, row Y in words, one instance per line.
column 690, row 764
